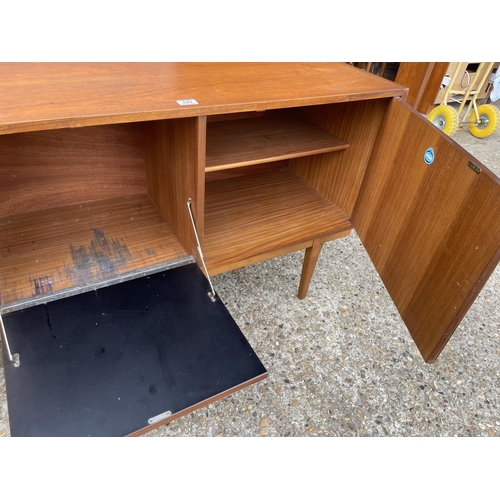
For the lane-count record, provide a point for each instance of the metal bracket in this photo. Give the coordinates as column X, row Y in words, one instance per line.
column 14, row 358
column 159, row 418
column 212, row 293
column 474, row 167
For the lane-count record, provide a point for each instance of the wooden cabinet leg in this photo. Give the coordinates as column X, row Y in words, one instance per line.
column 310, row 259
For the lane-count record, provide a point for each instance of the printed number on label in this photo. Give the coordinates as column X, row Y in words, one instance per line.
column 187, row 102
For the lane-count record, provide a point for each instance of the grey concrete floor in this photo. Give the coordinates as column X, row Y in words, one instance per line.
column 341, row 362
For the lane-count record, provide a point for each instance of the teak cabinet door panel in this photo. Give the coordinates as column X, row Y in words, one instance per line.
column 432, row 230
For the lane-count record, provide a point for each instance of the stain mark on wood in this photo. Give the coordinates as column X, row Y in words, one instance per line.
column 137, row 207
column 42, row 285
column 150, row 252
column 103, row 257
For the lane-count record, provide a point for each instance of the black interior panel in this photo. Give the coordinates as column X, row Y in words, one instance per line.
column 104, row 362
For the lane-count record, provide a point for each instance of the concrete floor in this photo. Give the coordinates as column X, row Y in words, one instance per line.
column 341, row 362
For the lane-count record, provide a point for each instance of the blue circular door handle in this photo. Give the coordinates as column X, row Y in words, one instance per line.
column 429, row 156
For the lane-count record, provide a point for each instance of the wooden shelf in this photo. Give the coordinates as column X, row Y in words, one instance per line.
column 251, row 218
column 250, row 141
column 66, row 248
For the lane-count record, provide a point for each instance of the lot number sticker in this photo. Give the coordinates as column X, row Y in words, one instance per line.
column 187, row 102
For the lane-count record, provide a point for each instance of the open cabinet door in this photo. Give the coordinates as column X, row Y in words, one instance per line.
column 428, row 215
column 124, row 359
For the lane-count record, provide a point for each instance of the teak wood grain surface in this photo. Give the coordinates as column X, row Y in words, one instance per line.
column 41, row 96
column 50, row 169
column 338, row 176
column 239, row 143
column 57, row 249
column 175, row 158
column 432, row 231
column 250, row 216
column 78, row 134
column 98, row 162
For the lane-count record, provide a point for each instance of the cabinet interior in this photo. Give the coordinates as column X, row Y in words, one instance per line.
column 76, row 209
column 83, row 206
column 280, row 189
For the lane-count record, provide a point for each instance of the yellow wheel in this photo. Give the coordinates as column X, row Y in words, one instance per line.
column 487, row 123
column 445, row 118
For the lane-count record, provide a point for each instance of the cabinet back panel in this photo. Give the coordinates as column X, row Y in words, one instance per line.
column 51, row 169
column 231, row 173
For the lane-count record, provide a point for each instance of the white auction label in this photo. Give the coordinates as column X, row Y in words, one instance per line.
column 187, row 102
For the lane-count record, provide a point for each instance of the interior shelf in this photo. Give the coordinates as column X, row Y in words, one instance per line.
column 274, row 212
column 71, row 247
column 278, row 136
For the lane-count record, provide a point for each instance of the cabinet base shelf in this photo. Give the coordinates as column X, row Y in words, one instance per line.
column 68, row 248
column 249, row 219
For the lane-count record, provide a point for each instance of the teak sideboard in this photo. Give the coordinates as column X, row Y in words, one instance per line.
column 123, row 186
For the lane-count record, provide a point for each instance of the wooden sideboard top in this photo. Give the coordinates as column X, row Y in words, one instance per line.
column 42, row 96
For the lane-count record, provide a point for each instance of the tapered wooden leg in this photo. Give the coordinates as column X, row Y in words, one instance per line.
column 310, row 259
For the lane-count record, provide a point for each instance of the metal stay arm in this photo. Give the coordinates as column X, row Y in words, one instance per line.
column 14, row 358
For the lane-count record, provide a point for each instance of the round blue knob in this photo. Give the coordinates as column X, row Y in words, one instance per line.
column 429, row 156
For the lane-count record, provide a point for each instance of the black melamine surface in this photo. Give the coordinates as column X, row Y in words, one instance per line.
column 102, row 363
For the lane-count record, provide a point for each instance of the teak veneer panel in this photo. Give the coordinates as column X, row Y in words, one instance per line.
column 432, row 231
column 423, row 80
column 338, row 176
column 64, row 248
column 57, row 168
column 175, row 159
column 98, row 161
column 239, row 143
column 217, row 175
column 41, row 96
column 260, row 214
